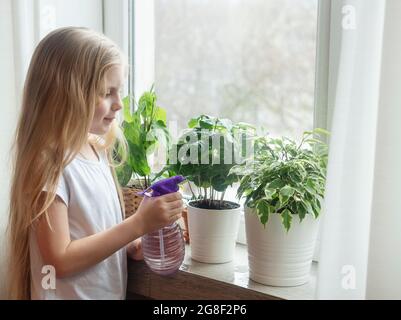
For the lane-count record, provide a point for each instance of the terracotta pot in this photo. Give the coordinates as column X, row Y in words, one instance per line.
column 185, row 229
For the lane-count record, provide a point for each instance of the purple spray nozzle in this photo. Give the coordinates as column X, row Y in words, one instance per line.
column 164, row 186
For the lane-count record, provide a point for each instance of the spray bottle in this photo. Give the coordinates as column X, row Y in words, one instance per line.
column 164, row 249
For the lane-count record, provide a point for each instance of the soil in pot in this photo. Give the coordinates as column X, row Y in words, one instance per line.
column 214, row 205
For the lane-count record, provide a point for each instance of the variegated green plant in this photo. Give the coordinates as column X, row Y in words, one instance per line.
column 285, row 177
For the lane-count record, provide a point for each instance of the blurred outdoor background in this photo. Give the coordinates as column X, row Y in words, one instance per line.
column 248, row 60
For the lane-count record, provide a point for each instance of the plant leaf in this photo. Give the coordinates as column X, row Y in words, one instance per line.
column 287, row 191
column 286, row 219
column 160, row 115
column 127, row 111
column 193, row 123
column 269, row 193
column 264, row 211
column 124, row 174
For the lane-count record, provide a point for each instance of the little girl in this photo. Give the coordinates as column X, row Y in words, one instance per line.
column 66, row 208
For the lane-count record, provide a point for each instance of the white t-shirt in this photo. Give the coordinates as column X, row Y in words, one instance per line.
column 88, row 189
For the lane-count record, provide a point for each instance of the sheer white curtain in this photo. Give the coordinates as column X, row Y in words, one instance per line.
column 361, row 236
column 22, row 24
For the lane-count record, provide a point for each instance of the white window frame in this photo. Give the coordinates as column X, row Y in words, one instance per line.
column 124, row 22
column 322, row 111
column 325, row 73
column 116, row 26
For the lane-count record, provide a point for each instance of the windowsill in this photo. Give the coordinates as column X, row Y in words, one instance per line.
column 196, row 280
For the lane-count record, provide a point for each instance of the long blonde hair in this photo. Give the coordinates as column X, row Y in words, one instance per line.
column 65, row 79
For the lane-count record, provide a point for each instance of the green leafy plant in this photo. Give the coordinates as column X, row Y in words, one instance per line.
column 205, row 154
column 284, row 177
column 143, row 129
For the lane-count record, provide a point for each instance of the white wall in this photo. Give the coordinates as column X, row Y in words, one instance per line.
column 7, row 120
column 57, row 13
column 15, row 18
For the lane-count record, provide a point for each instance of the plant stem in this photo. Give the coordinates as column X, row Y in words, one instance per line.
column 140, row 182
column 151, row 113
column 222, row 197
column 190, row 188
column 199, row 188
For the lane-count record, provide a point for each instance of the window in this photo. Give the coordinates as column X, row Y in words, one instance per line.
column 250, row 61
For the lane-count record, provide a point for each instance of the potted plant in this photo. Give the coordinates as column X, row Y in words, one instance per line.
column 205, row 154
column 283, row 187
column 143, row 129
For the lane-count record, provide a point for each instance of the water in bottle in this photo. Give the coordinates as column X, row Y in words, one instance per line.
column 164, row 249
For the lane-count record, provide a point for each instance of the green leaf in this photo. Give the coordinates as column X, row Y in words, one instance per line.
column 138, row 160
column 310, row 187
column 247, row 192
column 161, row 133
column 276, row 184
column 124, row 174
column 264, row 210
column 219, row 183
column 193, row 123
column 301, row 211
column 308, row 207
column 269, row 193
column 160, row 115
column 206, row 124
column 127, row 111
column 286, row 218
column 287, row 191
column 295, row 176
column 321, row 131
column 285, row 194
column 316, row 208
column 146, row 104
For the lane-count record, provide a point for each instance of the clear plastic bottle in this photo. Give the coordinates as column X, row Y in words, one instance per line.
column 164, row 249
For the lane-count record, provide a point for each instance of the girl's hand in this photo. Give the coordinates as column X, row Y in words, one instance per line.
column 134, row 250
column 158, row 212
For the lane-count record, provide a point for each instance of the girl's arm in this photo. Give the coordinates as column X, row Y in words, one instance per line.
column 70, row 257
column 134, row 250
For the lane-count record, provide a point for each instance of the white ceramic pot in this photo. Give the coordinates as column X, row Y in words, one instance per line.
column 213, row 234
column 278, row 258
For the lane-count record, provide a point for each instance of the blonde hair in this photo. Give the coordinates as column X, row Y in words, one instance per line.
column 65, row 79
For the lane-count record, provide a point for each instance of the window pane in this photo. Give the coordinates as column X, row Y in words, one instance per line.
column 250, row 61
